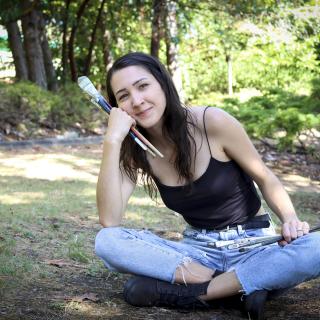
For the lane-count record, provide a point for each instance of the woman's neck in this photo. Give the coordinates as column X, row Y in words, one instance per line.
column 156, row 135
column 161, row 142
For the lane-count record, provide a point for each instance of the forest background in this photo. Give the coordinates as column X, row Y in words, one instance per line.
column 258, row 59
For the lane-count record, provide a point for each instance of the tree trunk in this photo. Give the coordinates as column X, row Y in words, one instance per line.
column 93, row 40
column 106, row 34
column 47, row 57
column 73, row 67
column 158, row 15
column 64, row 53
column 16, row 46
column 230, row 84
column 172, row 45
column 30, row 24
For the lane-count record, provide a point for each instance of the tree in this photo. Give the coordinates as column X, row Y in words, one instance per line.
column 93, row 40
column 106, row 42
column 47, row 56
column 73, row 66
column 172, row 42
column 32, row 54
column 64, row 49
column 158, row 7
column 16, row 47
column 30, row 27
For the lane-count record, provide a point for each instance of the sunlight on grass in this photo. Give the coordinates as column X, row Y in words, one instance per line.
column 94, row 218
column 295, row 182
column 21, row 197
column 144, row 201
column 85, row 308
column 50, row 167
column 133, row 216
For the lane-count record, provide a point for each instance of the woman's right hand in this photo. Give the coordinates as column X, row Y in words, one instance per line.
column 119, row 124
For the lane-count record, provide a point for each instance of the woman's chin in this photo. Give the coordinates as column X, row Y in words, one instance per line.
column 148, row 123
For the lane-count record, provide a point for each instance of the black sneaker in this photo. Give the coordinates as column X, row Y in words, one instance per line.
column 254, row 304
column 147, row 292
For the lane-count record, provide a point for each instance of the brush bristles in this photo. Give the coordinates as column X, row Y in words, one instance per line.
column 86, row 85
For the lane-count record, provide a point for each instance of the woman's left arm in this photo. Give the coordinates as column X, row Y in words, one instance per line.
column 236, row 144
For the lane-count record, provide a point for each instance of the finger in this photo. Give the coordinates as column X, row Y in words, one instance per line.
column 305, row 227
column 282, row 243
column 299, row 229
column 134, row 122
column 300, row 233
column 293, row 231
column 286, row 232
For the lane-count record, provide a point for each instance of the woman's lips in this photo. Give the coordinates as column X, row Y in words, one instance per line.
column 144, row 113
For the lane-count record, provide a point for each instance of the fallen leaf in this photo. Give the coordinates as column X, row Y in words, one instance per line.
column 62, row 263
column 86, row 296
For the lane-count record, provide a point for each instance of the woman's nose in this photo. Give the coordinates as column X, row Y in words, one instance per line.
column 136, row 99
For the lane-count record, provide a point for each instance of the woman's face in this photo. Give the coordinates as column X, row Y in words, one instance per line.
column 139, row 94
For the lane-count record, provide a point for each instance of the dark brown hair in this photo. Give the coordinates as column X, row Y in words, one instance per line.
column 177, row 124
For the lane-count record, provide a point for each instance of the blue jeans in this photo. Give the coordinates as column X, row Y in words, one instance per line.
column 270, row 267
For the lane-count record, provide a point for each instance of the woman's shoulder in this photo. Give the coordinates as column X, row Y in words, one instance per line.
column 213, row 117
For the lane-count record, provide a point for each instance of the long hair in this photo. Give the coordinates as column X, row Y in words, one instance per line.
column 177, row 125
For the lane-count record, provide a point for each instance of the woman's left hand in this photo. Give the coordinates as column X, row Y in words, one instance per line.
column 293, row 229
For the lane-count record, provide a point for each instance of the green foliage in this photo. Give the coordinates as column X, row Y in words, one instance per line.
column 128, row 23
column 277, row 114
column 9, row 10
column 271, row 44
column 315, row 93
column 276, row 50
column 268, row 64
column 25, row 101
column 71, row 107
column 26, row 107
column 4, row 44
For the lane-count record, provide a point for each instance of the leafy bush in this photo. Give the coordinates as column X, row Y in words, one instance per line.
column 72, row 107
column 25, row 106
column 25, row 101
column 315, row 94
column 277, row 114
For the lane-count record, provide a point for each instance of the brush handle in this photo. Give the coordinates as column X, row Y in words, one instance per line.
column 272, row 240
column 105, row 106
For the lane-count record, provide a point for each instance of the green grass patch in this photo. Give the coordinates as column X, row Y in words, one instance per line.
column 76, row 249
column 10, row 264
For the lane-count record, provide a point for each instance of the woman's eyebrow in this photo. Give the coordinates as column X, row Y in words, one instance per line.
column 133, row 84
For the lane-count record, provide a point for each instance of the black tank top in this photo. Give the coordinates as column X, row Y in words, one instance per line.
column 224, row 195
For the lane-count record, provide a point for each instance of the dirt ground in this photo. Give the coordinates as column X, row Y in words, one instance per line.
column 42, row 300
column 71, row 291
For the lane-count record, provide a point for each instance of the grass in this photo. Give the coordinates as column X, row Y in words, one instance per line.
column 48, row 211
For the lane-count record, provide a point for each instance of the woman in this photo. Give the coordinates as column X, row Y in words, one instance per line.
column 206, row 175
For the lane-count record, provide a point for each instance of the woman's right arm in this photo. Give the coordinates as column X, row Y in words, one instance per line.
column 114, row 187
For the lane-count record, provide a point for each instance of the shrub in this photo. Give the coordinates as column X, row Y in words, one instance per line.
column 277, row 114
column 27, row 106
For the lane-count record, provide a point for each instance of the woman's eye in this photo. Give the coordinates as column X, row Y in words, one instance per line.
column 122, row 97
column 143, row 85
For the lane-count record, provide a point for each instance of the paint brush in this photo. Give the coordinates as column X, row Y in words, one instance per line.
column 96, row 98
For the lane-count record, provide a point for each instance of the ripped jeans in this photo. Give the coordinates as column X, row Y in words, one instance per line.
column 270, row 267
